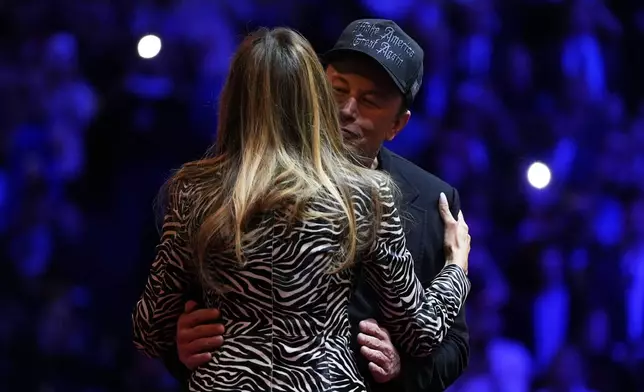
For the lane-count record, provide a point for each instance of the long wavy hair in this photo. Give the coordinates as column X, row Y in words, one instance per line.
column 279, row 146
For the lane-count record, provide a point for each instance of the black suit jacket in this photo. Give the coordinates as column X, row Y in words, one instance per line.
column 424, row 231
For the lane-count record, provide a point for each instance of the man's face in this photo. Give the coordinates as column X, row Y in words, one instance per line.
column 370, row 104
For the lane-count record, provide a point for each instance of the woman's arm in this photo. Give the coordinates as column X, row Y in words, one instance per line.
column 157, row 311
column 417, row 319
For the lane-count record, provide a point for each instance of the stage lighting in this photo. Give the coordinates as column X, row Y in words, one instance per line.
column 539, row 175
column 149, row 46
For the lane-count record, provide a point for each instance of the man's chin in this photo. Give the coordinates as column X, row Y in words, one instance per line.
column 357, row 154
column 347, row 136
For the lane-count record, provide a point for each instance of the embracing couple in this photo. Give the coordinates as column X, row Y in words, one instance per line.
column 300, row 254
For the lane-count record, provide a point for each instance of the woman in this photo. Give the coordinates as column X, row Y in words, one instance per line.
column 268, row 228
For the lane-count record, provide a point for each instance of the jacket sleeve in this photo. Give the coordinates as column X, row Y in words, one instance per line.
column 174, row 365
column 157, row 311
column 418, row 319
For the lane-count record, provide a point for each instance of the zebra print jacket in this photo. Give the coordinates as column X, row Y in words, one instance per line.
column 286, row 318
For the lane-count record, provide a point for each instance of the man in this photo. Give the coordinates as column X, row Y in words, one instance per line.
column 376, row 71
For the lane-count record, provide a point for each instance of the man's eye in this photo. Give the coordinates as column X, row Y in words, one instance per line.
column 369, row 102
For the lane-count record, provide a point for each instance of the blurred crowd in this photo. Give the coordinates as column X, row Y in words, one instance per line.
column 89, row 131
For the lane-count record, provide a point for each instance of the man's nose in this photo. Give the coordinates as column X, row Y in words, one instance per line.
column 349, row 110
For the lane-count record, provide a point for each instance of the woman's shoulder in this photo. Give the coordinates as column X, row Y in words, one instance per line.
column 374, row 184
column 371, row 189
column 183, row 194
column 181, row 189
column 195, row 178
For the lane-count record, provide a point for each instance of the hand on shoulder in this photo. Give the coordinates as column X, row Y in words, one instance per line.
column 457, row 237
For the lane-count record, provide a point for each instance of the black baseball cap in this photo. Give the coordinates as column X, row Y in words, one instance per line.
column 386, row 43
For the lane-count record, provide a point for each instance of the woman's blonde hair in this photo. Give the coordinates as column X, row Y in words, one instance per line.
column 279, row 146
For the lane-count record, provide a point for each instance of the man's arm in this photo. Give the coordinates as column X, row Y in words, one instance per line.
column 174, row 366
column 444, row 366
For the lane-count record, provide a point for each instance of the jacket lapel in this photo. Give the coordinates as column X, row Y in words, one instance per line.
column 412, row 213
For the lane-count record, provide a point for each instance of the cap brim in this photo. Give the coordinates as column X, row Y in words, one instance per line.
column 334, row 54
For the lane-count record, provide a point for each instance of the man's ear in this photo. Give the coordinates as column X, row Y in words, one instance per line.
column 398, row 125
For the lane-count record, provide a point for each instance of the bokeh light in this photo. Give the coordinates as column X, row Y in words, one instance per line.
column 539, row 175
column 149, row 46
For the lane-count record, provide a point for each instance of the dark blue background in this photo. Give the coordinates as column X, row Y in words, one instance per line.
column 89, row 131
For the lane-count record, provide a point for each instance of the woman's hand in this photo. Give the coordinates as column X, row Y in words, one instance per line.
column 457, row 238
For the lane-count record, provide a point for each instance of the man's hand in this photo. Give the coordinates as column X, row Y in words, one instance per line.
column 376, row 347
column 196, row 338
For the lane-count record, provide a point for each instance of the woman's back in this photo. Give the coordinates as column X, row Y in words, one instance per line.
column 286, row 318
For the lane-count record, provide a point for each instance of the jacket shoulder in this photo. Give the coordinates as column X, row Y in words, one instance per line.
column 424, row 181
